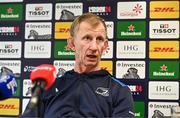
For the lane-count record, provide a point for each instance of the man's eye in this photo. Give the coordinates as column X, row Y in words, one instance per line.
column 87, row 38
column 100, row 39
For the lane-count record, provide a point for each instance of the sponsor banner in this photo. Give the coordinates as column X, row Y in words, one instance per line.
column 131, row 29
column 14, row 65
column 163, row 90
column 63, row 66
column 109, row 51
column 24, row 104
column 164, row 9
column 62, row 30
column 163, row 49
column 10, row 49
column 160, row 109
column 11, row 12
column 11, row 32
column 61, row 51
column 39, row 11
column 138, row 90
column 30, row 64
column 164, row 70
column 10, row 107
column 38, row 30
column 106, row 65
column 17, row 92
column 139, row 109
column 135, row 10
column 11, row 1
column 37, row 49
column 68, row 11
column 102, row 9
column 131, row 49
column 130, row 69
column 110, row 29
column 164, row 29
column 27, row 87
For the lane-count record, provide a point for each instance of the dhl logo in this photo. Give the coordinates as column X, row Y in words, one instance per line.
column 106, row 65
column 160, row 49
column 164, row 9
column 164, row 49
column 64, row 30
column 8, row 106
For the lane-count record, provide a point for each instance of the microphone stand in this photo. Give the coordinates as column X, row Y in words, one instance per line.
column 35, row 100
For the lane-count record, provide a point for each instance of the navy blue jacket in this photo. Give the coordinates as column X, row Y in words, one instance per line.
column 96, row 94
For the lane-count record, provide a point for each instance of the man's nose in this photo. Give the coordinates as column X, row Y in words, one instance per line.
column 93, row 45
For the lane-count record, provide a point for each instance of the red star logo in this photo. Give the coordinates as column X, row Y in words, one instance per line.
column 131, row 27
column 163, row 68
column 138, row 8
column 9, row 10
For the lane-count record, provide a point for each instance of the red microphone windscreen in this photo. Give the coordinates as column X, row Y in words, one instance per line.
column 44, row 72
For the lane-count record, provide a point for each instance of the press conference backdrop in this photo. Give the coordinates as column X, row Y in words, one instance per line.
column 143, row 46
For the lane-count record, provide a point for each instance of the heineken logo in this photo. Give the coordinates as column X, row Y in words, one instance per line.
column 163, row 67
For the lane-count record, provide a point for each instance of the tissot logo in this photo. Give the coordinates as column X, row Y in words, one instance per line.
column 130, row 69
column 163, row 49
column 100, row 10
column 38, row 30
column 38, row 11
column 135, row 10
column 34, row 49
column 10, row 49
column 160, row 108
column 68, row 11
column 164, row 90
column 164, row 9
column 163, row 70
column 9, row 107
column 164, row 29
column 11, row 12
column 130, row 49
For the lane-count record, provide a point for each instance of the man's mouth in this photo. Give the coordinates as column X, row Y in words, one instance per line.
column 92, row 56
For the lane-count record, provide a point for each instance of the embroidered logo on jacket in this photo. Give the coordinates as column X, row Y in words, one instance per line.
column 102, row 91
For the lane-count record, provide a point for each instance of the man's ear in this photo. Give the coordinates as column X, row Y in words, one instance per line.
column 106, row 45
column 70, row 43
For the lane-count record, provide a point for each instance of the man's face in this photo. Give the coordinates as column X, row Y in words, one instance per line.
column 89, row 44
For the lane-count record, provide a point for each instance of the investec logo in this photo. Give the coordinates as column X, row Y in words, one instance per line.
column 136, row 89
column 130, row 49
column 63, row 66
column 62, row 30
column 164, row 49
column 164, row 9
column 27, row 85
column 39, row 11
column 10, row 107
column 135, row 10
column 165, row 90
column 163, row 108
column 61, row 51
column 11, row 12
column 10, row 49
column 130, row 69
column 127, row 29
column 38, row 30
column 100, row 10
column 164, row 70
column 110, row 29
column 37, row 49
column 14, row 65
column 9, row 31
column 68, row 11
column 164, row 29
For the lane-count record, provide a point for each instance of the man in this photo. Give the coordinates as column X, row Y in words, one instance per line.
column 87, row 91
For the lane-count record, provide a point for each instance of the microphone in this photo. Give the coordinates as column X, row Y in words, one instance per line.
column 42, row 78
column 8, row 84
